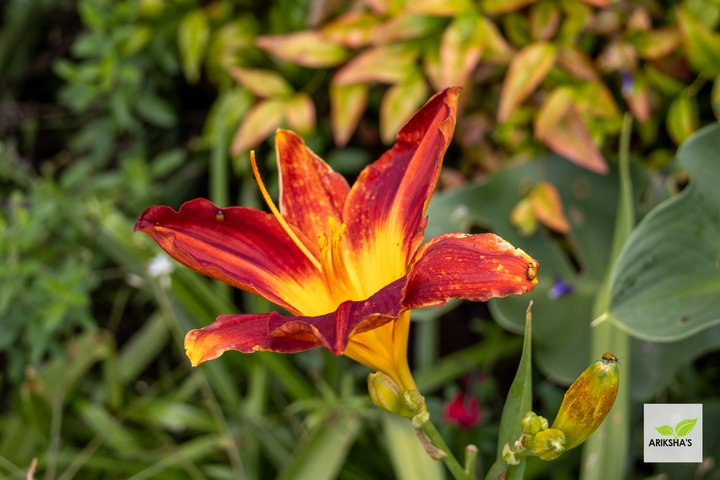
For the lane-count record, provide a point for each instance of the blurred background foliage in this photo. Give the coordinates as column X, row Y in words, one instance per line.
column 107, row 107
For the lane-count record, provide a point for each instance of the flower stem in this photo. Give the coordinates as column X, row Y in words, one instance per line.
column 431, row 432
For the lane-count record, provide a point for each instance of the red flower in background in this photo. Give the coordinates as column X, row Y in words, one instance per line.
column 463, row 410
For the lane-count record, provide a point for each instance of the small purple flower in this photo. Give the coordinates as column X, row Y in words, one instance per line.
column 560, row 288
column 627, row 82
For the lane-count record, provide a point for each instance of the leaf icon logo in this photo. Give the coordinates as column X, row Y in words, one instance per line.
column 682, row 429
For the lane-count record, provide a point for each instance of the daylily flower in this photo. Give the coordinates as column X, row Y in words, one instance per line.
column 345, row 262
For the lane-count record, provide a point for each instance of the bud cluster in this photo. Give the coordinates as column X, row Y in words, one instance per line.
column 585, row 405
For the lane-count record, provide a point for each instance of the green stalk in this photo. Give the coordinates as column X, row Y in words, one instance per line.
column 433, row 435
column 605, row 452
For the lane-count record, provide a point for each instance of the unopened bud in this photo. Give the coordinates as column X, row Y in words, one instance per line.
column 588, row 401
column 533, row 423
column 386, row 394
column 548, row 444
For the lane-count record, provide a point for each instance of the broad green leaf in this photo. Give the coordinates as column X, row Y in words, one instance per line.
column 193, row 37
column 667, row 283
column 561, row 127
column 409, row 459
column 263, row 83
column 347, row 104
column 701, row 44
column 384, row 64
column 460, row 50
column 715, row 97
column 517, row 404
column 322, row 453
column 665, row 430
column 307, row 48
column 683, row 118
column 156, row 110
column 527, row 70
column 605, row 453
column 684, row 427
column 259, row 122
column 398, row 105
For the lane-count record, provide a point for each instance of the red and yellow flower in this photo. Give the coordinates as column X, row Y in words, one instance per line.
column 347, row 263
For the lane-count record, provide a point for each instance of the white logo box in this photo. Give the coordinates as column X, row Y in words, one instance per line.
column 678, row 441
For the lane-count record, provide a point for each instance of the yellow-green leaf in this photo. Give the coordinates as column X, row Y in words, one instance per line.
column 406, row 26
column 263, row 83
column 259, row 122
column 494, row 7
column 347, row 103
column 384, row 64
column 548, row 208
column 300, row 113
column 193, row 36
column 495, row 47
column 683, row 118
column 544, row 20
column 523, row 218
column 460, row 51
column 353, row 29
column 701, row 44
column 308, row 48
column 656, row 44
column 398, row 105
column 575, row 61
column 560, row 126
column 439, row 8
column 527, row 70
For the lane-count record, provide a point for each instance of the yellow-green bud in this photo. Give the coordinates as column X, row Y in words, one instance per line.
column 386, row 394
column 548, row 444
column 533, row 423
column 588, row 401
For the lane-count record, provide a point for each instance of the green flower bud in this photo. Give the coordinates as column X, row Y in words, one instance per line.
column 588, row 401
column 386, row 394
column 548, row 444
column 533, row 423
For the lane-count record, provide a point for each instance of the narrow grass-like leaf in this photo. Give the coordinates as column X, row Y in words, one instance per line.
column 409, row 459
column 517, row 404
column 321, row 455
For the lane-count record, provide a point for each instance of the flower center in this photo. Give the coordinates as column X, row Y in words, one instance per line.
column 333, row 265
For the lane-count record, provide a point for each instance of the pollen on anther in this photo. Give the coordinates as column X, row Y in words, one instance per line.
column 220, row 216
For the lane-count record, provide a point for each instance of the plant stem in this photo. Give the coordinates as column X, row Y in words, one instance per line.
column 432, row 433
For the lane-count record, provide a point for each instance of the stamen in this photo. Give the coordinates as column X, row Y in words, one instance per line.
column 278, row 216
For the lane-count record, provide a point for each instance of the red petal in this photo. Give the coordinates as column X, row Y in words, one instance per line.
column 243, row 247
column 335, row 329
column 384, row 209
column 310, row 191
column 473, row 267
column 278, row 333
column 244, row 333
